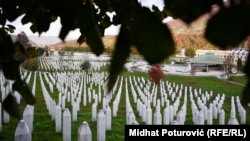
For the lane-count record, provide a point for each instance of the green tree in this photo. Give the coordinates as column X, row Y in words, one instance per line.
column 24, row 40
column 239, row 64
column 40, row 51
column 190, row 52
column 85, row 65
column 140, row 27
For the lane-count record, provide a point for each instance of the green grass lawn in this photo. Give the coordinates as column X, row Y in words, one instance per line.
column 239, row 79
column 44, row 127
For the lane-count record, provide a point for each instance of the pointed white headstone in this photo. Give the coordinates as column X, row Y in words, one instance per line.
column 84, row 132
column 101, row 126
column 22, row 132
column 66, row 125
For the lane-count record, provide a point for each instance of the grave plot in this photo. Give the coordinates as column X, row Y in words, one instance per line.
column 170, row 104
column 74, row 95
column 74, row 102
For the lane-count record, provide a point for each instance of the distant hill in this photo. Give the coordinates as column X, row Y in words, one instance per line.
column 14, row 39
column 184, row 36
column 193, row 35
column 108, row 40
column 45, row 40
column 40, row 41
column 190, row 35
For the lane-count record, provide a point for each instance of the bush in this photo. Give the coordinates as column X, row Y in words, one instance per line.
column 40, row 51
column 155, row 73
column 85, row 65
column 30, row 64
column 239, row 64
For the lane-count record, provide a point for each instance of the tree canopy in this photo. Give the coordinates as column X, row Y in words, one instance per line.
column 141, row 27
column 190, row 52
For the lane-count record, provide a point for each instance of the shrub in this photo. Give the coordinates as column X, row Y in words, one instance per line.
column 40, row 51
column 85, row 65
column 30, row 64
column 204, row 70
column 155, row 73
column 239, row 64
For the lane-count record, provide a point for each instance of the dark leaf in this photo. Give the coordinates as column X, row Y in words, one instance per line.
column 25, row 91
column 1, row 63
column 43, row 20
column 116, row 19
column 11, row 106
column 11, row 28
column 245, row 98
column 161, row 14
column 11, row 70
column 19, row 52
column 33, row 28
column 93, row 34
column 229, row 27
column 2, row 19
column 26, row 5
column 10, row 66
column 120, row 54
column 31, row 52
column 63, row 32
column 188, row 10
column 93, row 39
column 40, row 51
column 101, row 30
column 10, row 10
column 105, row 21
column 151, row 37
column 28, row 17
column 81, row 39
column 69, row 21
column 247, row 67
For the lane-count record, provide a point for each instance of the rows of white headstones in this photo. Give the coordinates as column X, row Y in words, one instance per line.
column 169, row 105
column 72, row 88
column 58, row 63
column 166, row 105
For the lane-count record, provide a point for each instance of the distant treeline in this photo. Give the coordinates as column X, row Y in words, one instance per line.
column 76, row 49
column 87, row 49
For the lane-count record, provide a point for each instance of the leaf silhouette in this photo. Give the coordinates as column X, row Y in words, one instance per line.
column 31, row 52
column 153, row 40
column 120, row 54
column 11, row 106
column 19, row 52
column 229, row 26
column 64, row 32
column 188, row 10
column 245, row 97
column 68, row 23
column 91, row 30
column 25, row 91
column 81, row 39
column 11, row 70
column 11, row 28
column 10, row 10
column 43, row 20
column 10, row 66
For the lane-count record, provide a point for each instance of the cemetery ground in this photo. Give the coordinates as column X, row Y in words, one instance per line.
column 44, row 125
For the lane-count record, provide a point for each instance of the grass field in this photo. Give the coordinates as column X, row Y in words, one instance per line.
column 44, row 127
